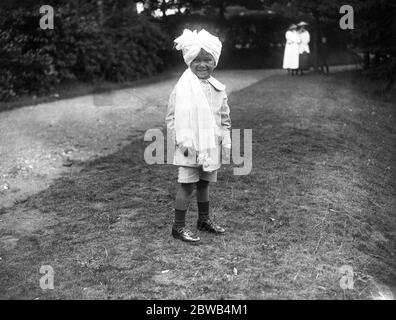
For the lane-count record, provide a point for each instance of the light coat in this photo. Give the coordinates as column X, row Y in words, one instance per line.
column 218, row 102
column 290, row 58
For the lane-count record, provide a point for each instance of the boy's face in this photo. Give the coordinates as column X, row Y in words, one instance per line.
column 203, row 65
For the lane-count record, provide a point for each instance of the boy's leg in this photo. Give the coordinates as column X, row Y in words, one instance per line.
column 187, row 178
column 203, row 199
column 179, row 230
column 183, row 196
column 204, row 222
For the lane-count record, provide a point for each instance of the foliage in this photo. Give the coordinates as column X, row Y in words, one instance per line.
column 208, row 7
column 123, row 47
column 374, row 31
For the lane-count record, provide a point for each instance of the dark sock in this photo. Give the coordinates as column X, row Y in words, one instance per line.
column 180, row 219
column 203, row 211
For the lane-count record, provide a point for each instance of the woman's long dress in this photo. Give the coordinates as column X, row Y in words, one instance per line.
column 304, row 50
column 290, row 58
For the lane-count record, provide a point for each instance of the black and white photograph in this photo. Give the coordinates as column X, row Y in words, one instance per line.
column 197, row 155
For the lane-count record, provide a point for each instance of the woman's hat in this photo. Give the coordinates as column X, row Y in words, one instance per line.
column 302, row 23
column 292, row 26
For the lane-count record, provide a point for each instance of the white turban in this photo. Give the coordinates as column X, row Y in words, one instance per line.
column 191, row 43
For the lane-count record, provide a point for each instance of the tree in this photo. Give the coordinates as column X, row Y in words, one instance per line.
column 151, row 6
column 374, row 30
column 316, row 10
column 220, row 6
column 376, row 34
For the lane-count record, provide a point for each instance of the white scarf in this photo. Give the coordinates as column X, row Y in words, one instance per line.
column 195, row 125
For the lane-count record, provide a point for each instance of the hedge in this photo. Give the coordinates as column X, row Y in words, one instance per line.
column 124, row 47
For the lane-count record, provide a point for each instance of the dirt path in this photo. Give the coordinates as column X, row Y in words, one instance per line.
column 39, row 143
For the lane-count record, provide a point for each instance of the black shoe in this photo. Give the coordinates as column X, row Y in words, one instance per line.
column 185, row 235
column 209, row 226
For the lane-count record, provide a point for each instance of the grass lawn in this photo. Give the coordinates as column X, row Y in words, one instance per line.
column 320, row 195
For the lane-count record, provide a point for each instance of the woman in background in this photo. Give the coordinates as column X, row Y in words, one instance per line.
column 303, row 47
column 291, row 55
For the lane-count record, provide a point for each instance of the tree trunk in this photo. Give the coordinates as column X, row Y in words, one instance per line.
column 316, row 41
column 100, row 11
column 391, row 77
column 389, row 85
column 367, row 60
column 133, row 7
column 77, row 7
column 163, row 8
column 179, row 6
column 221, row 9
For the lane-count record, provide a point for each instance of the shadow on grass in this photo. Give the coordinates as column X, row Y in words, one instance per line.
column 320, row 196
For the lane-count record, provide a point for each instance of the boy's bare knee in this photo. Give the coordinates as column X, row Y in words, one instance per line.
column 188, row 188
column 201, row 184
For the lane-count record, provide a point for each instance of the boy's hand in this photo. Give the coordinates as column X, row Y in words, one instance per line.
column 226, row 154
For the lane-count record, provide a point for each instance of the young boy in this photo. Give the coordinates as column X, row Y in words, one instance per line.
column 198, row 121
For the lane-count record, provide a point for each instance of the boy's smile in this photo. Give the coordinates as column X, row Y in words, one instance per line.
column 203, row 65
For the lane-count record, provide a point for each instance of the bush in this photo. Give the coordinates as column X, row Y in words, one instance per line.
column 123, row 47
column 25, row 63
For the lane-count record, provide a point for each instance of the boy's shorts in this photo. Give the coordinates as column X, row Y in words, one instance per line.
column 194, row 174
